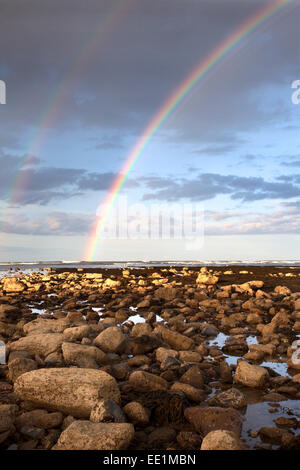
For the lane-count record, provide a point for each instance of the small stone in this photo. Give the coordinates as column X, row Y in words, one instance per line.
column 145, row 382
column 136, row 412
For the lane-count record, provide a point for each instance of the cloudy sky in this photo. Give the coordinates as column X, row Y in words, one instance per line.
column 83, row 81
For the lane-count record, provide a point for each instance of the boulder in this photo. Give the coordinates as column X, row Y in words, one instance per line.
column 136, row 412
column 251, row 375
column 45, row 325
column 85, row 435
column 222, row 440
column 72, row 391
column 176, row 340
column 232, row 398
column 43, row 344
column 211, row 418
column 111, row 340
column 88, row 357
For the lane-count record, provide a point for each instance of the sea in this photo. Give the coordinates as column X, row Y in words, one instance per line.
column 12, row 268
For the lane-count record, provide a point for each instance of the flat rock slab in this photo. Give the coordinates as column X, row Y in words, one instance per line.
column 72, row 391
column 85, row 435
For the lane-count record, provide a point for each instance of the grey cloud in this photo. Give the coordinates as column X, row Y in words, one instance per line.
column 136, row 62
column 209, row 185
column 22, row 184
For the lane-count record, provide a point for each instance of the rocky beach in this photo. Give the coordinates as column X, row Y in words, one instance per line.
column 173, row 358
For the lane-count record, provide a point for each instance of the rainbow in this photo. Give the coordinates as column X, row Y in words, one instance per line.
column 58, row 100
column 169, row 106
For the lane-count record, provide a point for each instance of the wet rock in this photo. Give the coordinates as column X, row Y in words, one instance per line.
column 7, row 418
column 210, row 330
column 273, row 397
column 209, row 419
column 222, row 440
column 254, row 356
column 107, row 411
column 111, row 340
column 192, row 393
column 144, row 381
column 40, row 419
column 71, row 391
column 137, row 413
column 193, row 376
column 272, row 435
column 190, row 356
column 286, row 422
column 251, row 375
column 176, row 340
column 266, row 349
column 232, row 398
column 89, row 357
column 85, row 435
column 235, row 345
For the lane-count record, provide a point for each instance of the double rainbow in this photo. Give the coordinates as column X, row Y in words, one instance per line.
column 168, row 107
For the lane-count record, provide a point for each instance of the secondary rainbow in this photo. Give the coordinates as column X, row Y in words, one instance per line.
column 62, row 94
column 233, row 40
